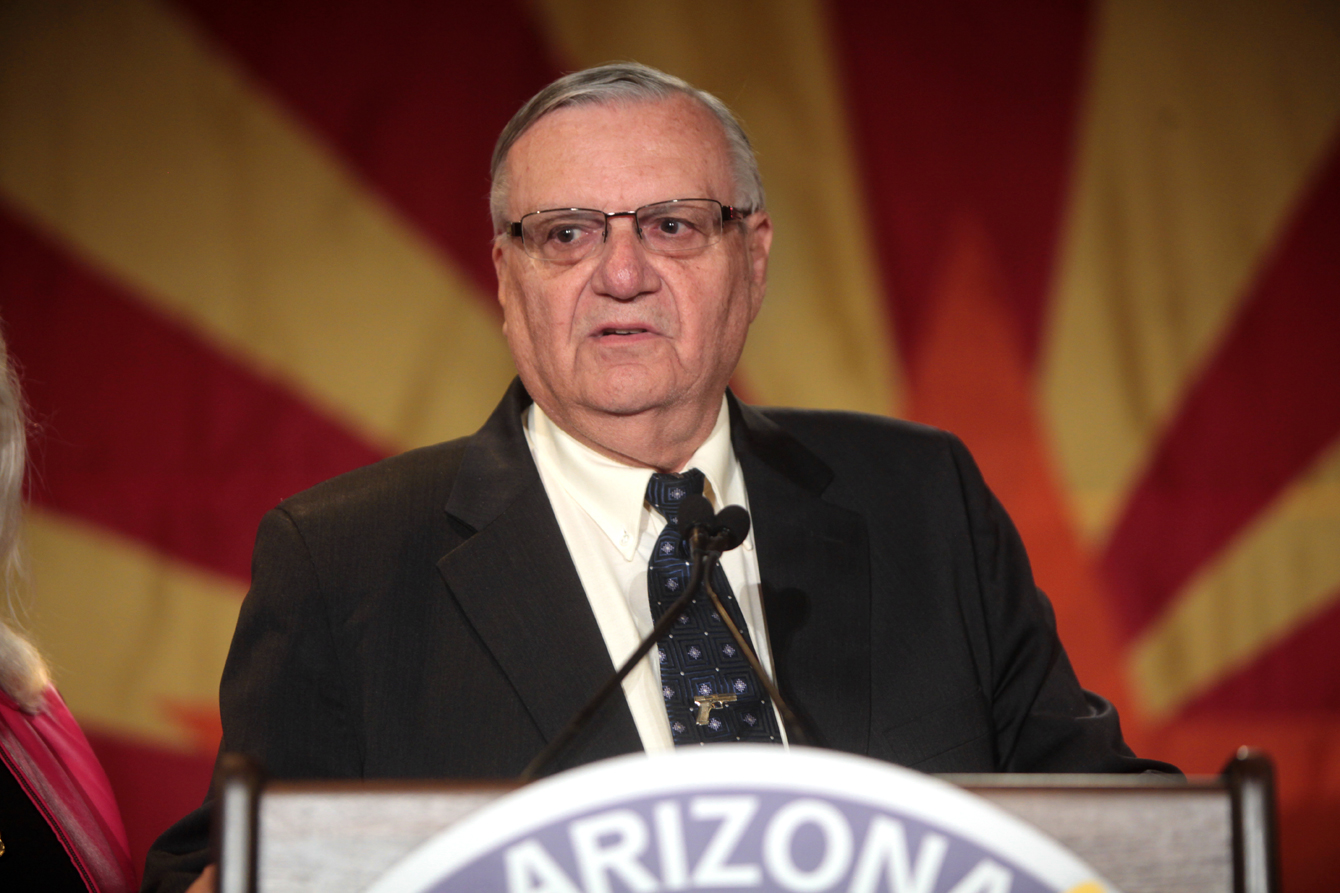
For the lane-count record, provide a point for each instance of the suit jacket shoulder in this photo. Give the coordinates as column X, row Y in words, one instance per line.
column 414, row 618
column 350, row 526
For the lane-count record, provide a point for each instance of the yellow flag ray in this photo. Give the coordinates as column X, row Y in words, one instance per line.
column 823, row 338
column 1275, row 577
column 127, row 135
column 132, row 635
column 1205, row 121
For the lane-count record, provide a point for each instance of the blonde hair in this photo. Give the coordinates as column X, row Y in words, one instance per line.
column 23, row 674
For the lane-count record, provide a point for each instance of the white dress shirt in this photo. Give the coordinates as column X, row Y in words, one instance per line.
column 610, row 531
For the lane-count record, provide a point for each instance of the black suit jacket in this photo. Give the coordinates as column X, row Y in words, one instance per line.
column 422, row 617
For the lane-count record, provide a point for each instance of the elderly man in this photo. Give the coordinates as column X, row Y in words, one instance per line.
column 444, row 613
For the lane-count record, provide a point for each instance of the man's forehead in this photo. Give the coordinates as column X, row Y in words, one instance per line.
column 619, row 152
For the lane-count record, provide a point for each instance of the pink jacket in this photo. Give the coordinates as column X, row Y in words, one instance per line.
column 53, row 762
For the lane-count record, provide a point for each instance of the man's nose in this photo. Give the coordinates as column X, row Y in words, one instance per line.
column 625, row 270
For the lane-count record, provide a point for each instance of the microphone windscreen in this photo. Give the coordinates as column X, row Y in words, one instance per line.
column 694, row 511
column 733, row 525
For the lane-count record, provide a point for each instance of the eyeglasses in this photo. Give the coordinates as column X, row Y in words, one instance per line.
column 679, row 226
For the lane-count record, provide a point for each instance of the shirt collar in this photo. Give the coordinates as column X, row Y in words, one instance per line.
column 614, row 494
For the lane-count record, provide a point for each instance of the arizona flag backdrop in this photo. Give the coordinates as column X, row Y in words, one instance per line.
column 244, row 247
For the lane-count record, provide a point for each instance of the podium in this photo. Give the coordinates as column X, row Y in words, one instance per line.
column 1135, row 834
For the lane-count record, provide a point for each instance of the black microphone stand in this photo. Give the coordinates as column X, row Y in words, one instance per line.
column 732, row 525
column 795, row 729
column 702, row 566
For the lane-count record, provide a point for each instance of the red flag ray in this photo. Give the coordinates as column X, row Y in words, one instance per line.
column 412, row 95
column 963, row 110
column 1266, row 405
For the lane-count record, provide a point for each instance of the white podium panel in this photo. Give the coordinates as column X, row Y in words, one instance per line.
column 755, row 818
column 745, row 817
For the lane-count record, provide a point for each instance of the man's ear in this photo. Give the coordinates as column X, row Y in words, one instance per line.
column 759, row 241
column 497, row 254
column 500, row 270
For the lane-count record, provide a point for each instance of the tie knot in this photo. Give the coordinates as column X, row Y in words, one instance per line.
column 667, row 491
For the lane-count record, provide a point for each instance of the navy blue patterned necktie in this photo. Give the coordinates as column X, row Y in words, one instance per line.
column 711, row 693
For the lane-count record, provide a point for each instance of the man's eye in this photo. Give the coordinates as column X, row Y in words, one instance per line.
column 672, row 226
column 567, row 233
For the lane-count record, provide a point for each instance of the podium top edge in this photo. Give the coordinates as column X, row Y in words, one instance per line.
column 1083, row 781
column 998, row 781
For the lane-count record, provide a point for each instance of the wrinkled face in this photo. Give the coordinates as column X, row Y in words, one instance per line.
column 626, row 331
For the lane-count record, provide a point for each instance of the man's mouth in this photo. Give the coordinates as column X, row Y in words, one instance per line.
column 623, row 331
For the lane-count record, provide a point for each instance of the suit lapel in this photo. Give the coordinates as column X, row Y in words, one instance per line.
column 515, row 581
column 814, row 562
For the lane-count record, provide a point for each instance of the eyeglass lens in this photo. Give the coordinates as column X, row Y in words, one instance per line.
column 674, row 227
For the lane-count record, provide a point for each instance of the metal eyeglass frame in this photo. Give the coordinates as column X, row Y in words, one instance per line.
column 728, row 213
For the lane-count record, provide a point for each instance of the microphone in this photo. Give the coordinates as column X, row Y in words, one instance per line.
column 708, row 535
column 732, row 526
column 695, row 514
column 720, row 532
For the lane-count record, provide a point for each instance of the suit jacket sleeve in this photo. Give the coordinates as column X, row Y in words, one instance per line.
column 902, row 613
column 1043, row 720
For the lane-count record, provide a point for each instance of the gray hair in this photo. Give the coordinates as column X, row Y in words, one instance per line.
column 23, row 673
column 615, row 83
